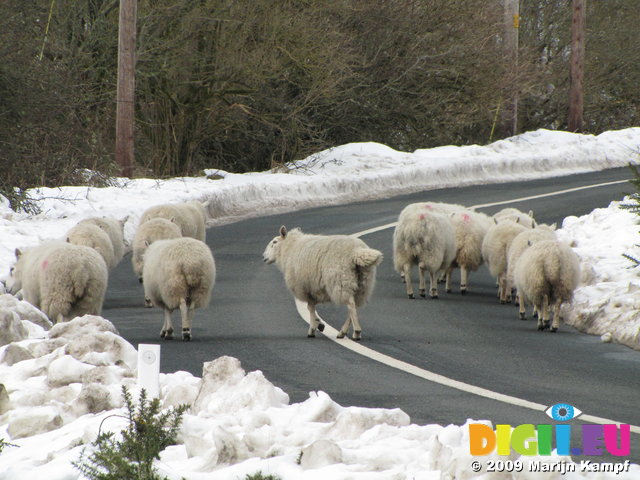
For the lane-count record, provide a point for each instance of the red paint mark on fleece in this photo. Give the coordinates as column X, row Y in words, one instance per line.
column 45, row 264
column 422, row 216
column 466, row 218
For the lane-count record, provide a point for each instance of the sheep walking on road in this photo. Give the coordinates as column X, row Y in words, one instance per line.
column 319, row 269
column 470, row 229
column 94, row 237
column 546, row 274
column 189, row 216
column 178, row 273
column 494, row 252
column 518, row 246
column 424, row 238
column 114, row 228
column 61, row 279
column 147, row 233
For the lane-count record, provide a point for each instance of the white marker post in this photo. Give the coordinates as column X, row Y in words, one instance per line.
column 149, row 369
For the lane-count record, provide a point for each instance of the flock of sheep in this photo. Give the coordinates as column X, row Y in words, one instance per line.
column 69, row 278
column 519, row 253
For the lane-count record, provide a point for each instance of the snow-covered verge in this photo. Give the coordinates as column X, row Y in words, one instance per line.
column 608, row 301
column 64, row 385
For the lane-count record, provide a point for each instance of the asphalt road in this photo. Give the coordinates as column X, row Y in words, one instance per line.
column 468, row 338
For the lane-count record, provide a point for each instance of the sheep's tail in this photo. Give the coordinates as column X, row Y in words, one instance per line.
column 367, row 257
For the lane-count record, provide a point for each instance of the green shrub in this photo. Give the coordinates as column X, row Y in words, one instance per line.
column 131, row 457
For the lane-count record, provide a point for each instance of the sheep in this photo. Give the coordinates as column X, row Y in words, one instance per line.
column 520, row 243
column 319, row 269
column 494, row 252
column 470, row 229
column 515, row 215
column 114, row 228
column 94, row 237
column 147, row 233
column 178, row 273
column 190, row 217
column 546, row 274
column 424, row 238
column 61, row 279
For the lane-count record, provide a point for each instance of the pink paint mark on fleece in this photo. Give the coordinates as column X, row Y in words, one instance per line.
column 422, row 217
column 466, row 218
column 45, row 264
column 428, row 207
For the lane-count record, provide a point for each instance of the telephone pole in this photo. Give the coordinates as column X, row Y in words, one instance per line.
column 509, row 119
column 576, row 75
column 126, row 87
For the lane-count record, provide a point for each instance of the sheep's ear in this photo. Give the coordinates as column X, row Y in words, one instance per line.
column 554, row 226
column 518, row 220
column 146, row 243
column 18, row 253
column 531, row 213
column 529, row 242
column 68, row 240
column 173, row 220
column 495, row 220
column 283, row 231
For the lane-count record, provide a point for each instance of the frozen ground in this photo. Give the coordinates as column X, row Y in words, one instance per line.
column 62, row 382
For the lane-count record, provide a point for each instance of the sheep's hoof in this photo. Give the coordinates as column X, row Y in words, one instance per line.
column 523, row 316
column 321, row 327
column 140, row 280
column 186, row 334
column 434, row 296
column 449, row 290
column 463, row 290
column 311, row 333
column 423, row 292
column 547, row 324
column 503, row 302
column 357, row 335
column 147, row 303
column 410, row 295
column 167, row 334
column 540, row 327
column 341, row 334
column 553, row 329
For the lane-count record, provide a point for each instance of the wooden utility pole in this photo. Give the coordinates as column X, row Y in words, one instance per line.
column 509, row 118
column 576, row 77
column 126, row 87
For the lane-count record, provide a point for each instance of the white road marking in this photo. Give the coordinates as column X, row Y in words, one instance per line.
column 502, row 202
column 360, row 349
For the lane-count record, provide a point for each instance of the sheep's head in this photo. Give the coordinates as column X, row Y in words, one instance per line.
column 14, row 282
column 270, row 253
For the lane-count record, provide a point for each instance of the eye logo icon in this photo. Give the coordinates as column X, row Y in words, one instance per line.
column 563, row 412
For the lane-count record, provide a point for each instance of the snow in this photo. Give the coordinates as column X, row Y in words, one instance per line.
column 64, row 381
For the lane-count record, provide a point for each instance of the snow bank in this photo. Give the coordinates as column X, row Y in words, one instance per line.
column 607, row 303
column 239, row 423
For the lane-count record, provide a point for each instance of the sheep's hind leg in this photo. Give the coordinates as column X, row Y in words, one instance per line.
column 167, row 329
column 447, row 280
column 186, row 313
column 556, row 316
column 543, row 314
column 423, row 284
column 314, row 322
column 433, row 280
column 464, row 279
column 352, row 317
column 407, row 280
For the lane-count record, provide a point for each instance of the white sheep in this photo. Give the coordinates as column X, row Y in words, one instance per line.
column 515, row 215
column 114, row 228
column 61, row 279
column 147, row 233
column 425, row 238
column 319, row 269
column 519, row 244
column 470, row 229
column 94, row 237
column 189, row 216
column 178, row 273
column 546, row 274
column 494, row 252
